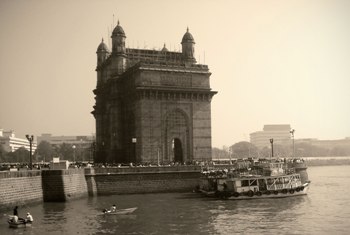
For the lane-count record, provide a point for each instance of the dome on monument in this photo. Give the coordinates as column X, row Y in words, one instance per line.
column 187, row 37
column 118, row 30
column 164, row 49
column 102, row 47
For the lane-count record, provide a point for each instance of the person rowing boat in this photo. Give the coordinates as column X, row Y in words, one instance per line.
column 112, row 209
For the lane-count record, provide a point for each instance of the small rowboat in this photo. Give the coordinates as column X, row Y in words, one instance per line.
column 120, row 211
column 21, row 223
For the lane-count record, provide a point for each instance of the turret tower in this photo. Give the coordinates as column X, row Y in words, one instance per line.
column 102, row 53
column 188, row 47
column 118, row 48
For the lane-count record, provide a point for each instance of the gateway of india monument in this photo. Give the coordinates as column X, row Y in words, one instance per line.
column 152, row 106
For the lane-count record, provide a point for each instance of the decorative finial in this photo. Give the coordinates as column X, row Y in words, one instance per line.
column 187, row 29
column 118, row 21
column 102, row 39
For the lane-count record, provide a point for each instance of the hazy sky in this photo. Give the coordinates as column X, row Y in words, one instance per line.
column 272, row 62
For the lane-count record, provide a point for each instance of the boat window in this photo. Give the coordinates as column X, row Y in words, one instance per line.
column 245, row 183
column 253, row 182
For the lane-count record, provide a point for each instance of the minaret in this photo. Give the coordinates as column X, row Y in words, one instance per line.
column 188, row 47
column 118, row 49
column 102, row 53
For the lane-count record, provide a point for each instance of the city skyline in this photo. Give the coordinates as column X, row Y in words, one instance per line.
column 272, row 62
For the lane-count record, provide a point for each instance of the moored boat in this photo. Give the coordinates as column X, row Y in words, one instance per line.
column 258, row 179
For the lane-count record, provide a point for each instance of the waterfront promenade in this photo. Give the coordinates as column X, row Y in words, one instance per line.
column 31, row 186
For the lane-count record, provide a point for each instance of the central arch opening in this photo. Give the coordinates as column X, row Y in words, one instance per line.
column 178, row 151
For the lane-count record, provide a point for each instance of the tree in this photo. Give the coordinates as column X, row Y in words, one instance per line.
column 281, row 151
column 19, row 155
column 265, row 153
column 64, row 151
column 220, row 153
column 44, row 151
column 3, row 154
column 244, row 149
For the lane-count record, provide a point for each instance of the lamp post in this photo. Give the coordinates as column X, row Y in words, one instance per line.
column 229, row 154
column 93, row 151
column 173, row 149
column 74, row 153
column 292, row 133
column 81, row 150
column 271, row 141
column 158, row 156
column 134, row 141
column 30, row 139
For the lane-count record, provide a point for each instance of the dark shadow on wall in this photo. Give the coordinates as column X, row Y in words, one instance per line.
column 53, row 186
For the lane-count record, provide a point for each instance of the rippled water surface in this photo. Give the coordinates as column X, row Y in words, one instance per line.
column 325, row 210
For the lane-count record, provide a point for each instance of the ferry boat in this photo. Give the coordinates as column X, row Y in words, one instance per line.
column 251, row 179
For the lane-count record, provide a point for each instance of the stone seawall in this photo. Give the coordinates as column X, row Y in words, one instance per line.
column 144, row 182
column 62, row 185
column 22, row 187
column 18, row 188
column 103, row 181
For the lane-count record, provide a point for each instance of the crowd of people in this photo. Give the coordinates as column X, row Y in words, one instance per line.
column 39, row 166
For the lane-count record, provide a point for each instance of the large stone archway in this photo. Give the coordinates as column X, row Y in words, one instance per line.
column 178, row 150
column 177, row 139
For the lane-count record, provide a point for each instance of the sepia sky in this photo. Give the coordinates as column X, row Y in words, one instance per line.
column 272, row 61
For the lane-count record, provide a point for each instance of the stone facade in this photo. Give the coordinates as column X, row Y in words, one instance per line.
column 151, row 106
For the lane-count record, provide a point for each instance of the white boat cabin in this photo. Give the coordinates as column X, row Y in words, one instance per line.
column 259, row 183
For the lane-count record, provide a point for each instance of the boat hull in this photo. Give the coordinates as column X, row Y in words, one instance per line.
column 121, row 211
column 19, row 224
column 290, row 193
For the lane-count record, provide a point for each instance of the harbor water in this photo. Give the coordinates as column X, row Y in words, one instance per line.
column 325, row 210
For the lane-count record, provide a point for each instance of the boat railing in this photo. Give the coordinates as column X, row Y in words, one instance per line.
column 289, row 185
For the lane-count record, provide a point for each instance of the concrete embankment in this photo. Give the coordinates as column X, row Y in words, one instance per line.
column 62, row 185
column 23, row 187
column 102, row 181
column 20, row 187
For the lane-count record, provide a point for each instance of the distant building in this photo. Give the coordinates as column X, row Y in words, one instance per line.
column 81, row 141
column 151, row 105
column 11, row 143
column 279, row 133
